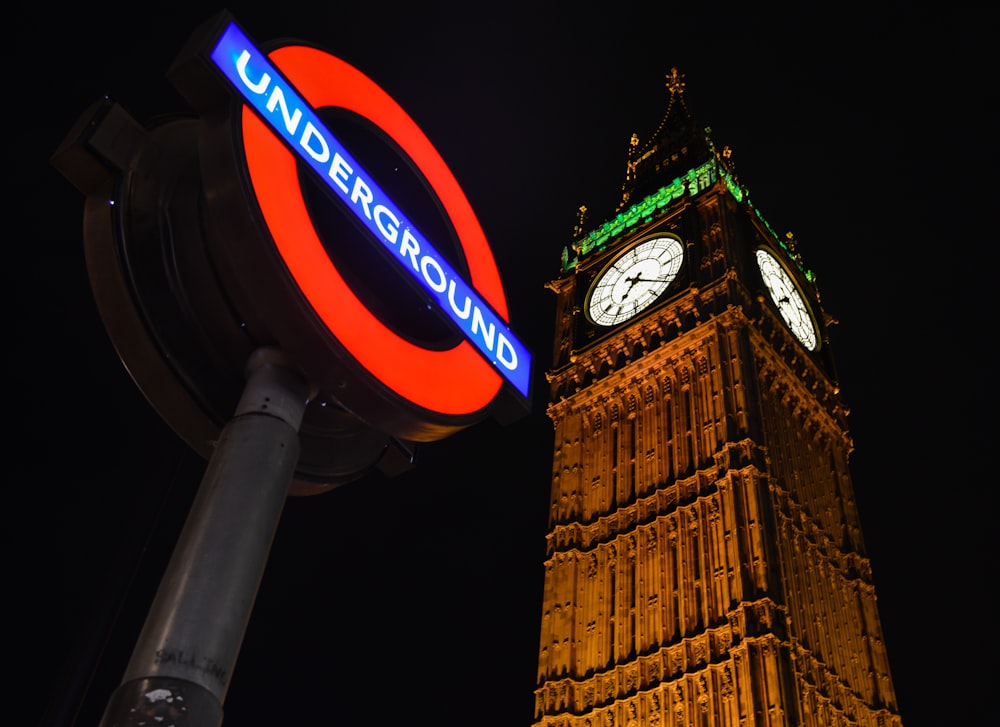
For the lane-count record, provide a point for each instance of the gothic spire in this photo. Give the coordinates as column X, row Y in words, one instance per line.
column 673, row 148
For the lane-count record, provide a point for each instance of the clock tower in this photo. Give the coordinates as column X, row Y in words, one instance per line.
column 705, row 565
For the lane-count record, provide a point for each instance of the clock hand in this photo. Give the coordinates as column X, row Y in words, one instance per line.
column 640, row 279
column 632, row 283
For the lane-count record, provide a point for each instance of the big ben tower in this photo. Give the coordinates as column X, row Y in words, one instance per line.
column 705, row 565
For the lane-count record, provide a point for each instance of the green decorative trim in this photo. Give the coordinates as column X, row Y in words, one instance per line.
column 695, row 182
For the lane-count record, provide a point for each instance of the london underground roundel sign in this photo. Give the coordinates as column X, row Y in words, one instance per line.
column 281, row 132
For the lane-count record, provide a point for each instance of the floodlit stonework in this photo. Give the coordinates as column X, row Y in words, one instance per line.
column 705, row 562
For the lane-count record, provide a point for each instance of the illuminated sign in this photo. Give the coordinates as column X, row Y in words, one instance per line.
column 401, row 365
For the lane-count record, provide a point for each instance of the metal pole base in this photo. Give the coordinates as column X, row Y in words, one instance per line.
column 162, row 701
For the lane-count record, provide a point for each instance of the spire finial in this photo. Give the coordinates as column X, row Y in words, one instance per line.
column 675, row 82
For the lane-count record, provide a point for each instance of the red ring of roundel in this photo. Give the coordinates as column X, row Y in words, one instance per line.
column 456, row 381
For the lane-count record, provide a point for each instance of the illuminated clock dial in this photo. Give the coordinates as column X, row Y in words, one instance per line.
column 634, row 280
column 789, row 301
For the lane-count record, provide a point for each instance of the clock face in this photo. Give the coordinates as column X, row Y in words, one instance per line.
column 634, row 280
column 789, row 301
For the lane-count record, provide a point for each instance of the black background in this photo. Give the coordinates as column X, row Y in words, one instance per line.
column 867, row 131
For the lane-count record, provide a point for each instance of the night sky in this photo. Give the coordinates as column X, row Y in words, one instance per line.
column 869, row 133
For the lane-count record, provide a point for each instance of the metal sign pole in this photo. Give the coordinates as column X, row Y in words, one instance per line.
column 183, row 660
